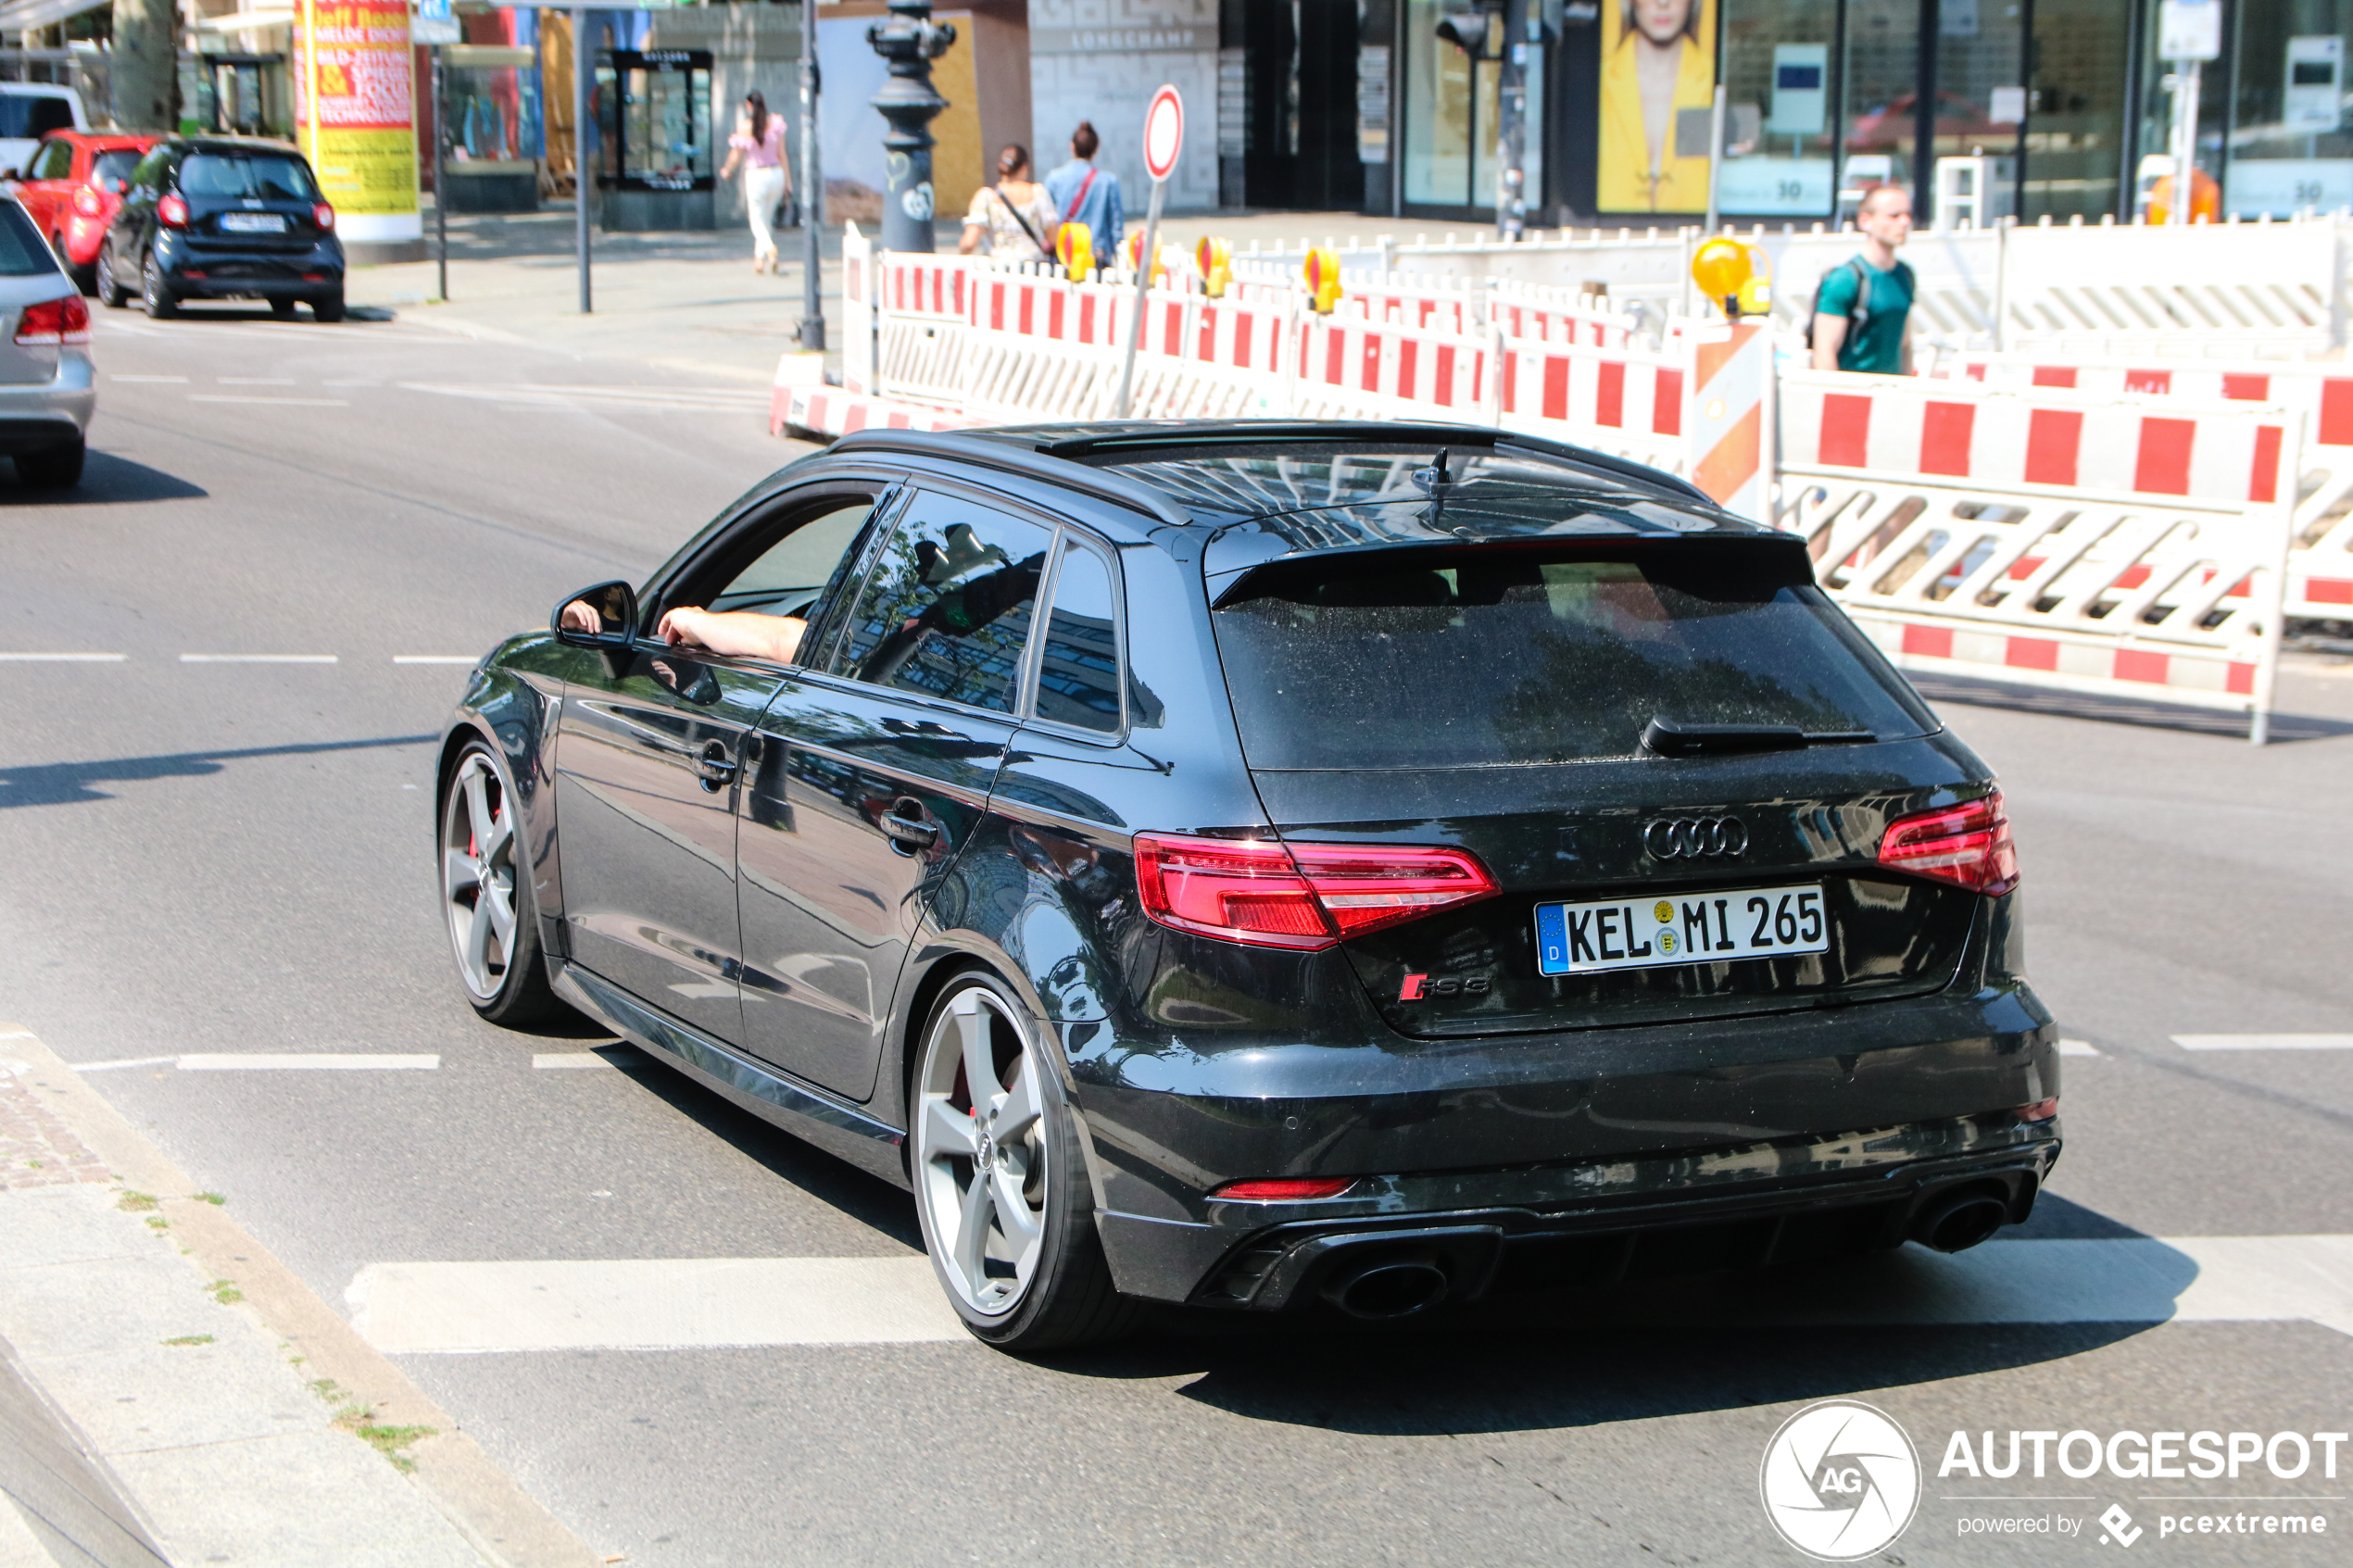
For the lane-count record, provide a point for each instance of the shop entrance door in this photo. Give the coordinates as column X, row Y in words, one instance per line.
column 1301, row 118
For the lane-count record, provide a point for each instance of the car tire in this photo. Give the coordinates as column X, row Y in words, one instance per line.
column 57, row 468
column 82, row 276
column 478, row 803
column 282, row 308
column 328, row 309
column 154, row 298
column 111, row 292
column 1028, row 1272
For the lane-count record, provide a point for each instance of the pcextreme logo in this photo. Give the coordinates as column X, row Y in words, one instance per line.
column 1840, row 1480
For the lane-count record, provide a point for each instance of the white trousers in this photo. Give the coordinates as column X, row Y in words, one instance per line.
column 761, row 189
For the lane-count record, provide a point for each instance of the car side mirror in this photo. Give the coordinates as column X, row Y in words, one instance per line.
column 10, row 174
column 602, row 617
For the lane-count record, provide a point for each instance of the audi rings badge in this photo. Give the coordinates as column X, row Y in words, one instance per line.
column 1693, row 838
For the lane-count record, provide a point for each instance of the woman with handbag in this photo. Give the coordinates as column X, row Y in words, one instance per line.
column 1014, row 216
column 759, row 145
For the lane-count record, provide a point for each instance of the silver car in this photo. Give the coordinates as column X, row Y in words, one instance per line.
column 47, row 390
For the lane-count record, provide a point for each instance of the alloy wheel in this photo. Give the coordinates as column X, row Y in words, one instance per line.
column 108, row 295
column 478, row 874
column 158, row 301
column 982, row 1162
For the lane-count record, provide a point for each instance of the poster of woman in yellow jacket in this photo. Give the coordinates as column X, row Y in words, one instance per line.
column 1658, row 85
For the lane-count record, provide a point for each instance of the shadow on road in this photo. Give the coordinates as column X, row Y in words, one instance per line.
column 107, row 480
column 64, row 783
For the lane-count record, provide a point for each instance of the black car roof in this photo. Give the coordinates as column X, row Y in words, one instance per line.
column 234, row 144
column 1341, row 483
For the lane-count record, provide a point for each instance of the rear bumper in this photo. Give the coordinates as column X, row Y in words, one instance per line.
column 37, row 416
column 1574, row 1226
column 207, row 272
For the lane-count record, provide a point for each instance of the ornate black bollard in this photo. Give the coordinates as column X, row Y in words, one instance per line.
column 909, row 40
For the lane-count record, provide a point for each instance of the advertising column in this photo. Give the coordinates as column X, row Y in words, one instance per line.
column 352, row 60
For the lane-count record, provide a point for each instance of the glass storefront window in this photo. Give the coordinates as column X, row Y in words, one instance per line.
column 651, row 107
column 2075, row 133
column 1981, row 90
column 2290, row 150
column 1882, row 92
column 1438, row 118
column 492, row 98
column 1778, row 80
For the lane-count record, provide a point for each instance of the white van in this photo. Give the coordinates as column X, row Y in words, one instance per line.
column 29, row 110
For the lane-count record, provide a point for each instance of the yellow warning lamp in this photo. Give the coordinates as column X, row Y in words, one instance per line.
column 1216, row 258
column 1322, row 271
column 1755, row 295
column 2206, row 199
column 1075, row 248
column 1720, row 268
column 1135, row 248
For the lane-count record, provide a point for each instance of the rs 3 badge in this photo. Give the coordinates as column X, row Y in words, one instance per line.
column 1421, row 988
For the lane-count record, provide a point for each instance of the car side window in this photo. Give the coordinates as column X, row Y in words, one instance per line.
column 946, row 611
column 149, row 176
column 790, row 577
column 55, row 162
column 1078, row 678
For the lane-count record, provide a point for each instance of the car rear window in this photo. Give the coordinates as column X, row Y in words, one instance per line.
column 269, row 176
column 23, row 253
column 32, row 114
column 107, row 167
column 1486, row 658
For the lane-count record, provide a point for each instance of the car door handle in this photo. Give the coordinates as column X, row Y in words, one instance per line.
column 714, row 765
column 908, row 827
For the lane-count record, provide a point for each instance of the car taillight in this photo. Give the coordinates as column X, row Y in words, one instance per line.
column 323, row 216
column 88, row 203
column 172, row 211
column 1301, row 896
column 1298, row 1191
column 1966, row 845
column 2041, row 1110
column 54, row 321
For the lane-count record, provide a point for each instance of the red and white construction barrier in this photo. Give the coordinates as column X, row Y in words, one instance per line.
column 2320, row 395
column 829, row 410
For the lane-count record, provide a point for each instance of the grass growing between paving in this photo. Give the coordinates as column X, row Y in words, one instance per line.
column 359, row 1421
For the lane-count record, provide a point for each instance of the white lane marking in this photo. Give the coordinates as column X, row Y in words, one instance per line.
column 329, row 1061
column 436, row 659
column 649, row 1303
column 123, row 1062
column 276, row 402
column 556, row 395
column 258, row 658
column 608, row 1056
column 62, row 657
column 690, row 1303
column 255, row 380
column 2078, row 1047
column 161, row 381
column 2264, row 1042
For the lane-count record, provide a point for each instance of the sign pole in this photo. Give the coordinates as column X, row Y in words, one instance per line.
column 582, row 64
column 1163, row 138
column 440, row 173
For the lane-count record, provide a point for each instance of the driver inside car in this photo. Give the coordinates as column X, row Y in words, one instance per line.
column 749, row 632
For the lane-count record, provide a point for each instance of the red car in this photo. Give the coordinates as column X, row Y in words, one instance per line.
column 71, row 186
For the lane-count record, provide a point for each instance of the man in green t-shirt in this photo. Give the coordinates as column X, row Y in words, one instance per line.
column 1874, row 339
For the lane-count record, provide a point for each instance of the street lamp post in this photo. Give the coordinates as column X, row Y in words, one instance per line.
column 909, row 40
column 812, row 191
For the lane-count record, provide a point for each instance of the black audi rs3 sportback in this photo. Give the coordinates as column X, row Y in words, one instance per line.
column 1271, row 866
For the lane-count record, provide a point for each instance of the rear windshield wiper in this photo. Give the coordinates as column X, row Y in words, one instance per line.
column 1665, row 737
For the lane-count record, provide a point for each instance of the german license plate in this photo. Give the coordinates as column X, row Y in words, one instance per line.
column 253, row 223
column 1748, row 923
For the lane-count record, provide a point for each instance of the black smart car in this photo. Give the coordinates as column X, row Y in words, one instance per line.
column 223, row 218
column 1260, row 864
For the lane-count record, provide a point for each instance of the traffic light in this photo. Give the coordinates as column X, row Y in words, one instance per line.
column 1467, row 30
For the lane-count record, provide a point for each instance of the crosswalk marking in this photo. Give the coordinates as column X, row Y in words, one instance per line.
column 265, row 1061
column 694, row 1303
column 2264, row 1042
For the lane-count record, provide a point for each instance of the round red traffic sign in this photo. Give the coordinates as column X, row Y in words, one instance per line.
column 1163, row 132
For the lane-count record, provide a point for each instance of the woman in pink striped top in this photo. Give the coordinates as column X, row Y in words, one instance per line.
column 759, row 145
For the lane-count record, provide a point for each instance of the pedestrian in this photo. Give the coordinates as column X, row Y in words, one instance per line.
column 759, row 145
column 1015, row 217
column 1863, row 306
column 1083, row 194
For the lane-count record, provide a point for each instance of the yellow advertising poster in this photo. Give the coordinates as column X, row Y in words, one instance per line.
column 352, row 59
column 1658, row 88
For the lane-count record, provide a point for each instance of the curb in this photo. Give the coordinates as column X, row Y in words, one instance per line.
column 499, row 1519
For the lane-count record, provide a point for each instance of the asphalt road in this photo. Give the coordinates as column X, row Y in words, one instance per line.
column 219, row 856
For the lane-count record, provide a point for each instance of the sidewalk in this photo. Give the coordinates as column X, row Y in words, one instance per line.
column 688, row 302
column 170, row 1393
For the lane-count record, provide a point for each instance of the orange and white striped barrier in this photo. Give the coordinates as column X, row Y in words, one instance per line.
column 1731, row 416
